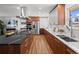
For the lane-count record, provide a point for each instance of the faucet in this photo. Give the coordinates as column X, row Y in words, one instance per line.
column 67, row 27
column 70, row 29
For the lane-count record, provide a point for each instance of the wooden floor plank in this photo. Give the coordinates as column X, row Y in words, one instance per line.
column 39, row 45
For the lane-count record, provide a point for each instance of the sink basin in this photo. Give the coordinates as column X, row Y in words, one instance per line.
column 68, row 39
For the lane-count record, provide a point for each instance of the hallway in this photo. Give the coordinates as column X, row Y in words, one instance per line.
column 39, row 45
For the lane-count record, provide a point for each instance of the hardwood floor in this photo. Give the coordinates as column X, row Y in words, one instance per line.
column 40, row 45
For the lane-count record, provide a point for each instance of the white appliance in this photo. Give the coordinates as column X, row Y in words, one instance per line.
column 35, row 27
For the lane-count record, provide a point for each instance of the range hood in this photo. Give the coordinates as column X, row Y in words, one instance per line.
column 22, row 13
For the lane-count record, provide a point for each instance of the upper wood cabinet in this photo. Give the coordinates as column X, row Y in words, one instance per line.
column 61, row 14
column 34, row 18
column 57, row 15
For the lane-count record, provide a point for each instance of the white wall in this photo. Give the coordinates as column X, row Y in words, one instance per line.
column 53, row 17
column 67, row 14
column 41, row 14
column 44, row 22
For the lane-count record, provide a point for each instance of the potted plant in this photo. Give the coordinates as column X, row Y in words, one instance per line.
column 1, row 27
column 61, row 30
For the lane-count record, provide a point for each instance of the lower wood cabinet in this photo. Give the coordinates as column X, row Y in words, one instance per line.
column 4, row 48
column 22, row 48
column 41, row 31
column 14, row 49
column 56, row 45
column 69, row 51
column 25, row 47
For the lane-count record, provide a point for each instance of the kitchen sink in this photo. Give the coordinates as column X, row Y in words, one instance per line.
column 68, row 39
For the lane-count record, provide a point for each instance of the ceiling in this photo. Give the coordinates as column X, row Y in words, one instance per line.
column 14, row 9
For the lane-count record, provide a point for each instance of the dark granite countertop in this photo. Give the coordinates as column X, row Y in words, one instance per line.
column 14, row 39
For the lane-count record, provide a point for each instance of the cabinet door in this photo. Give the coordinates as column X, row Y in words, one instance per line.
column 57, row 46
column 47, row 35
column 61, row 14
column 41, row 31
column 25, row 47
column 14, row 49
column 60, row 47
column 54, row 45
column 4, row 49
column 70, row 51
column 51, row 41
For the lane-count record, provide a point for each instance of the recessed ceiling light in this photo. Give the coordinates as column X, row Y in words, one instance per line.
column 18, row 8
column 40, row 8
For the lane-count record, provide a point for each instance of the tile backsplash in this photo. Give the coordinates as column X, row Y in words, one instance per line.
column 75, row 33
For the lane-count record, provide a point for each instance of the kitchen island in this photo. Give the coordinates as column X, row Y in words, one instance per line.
column 16, row 44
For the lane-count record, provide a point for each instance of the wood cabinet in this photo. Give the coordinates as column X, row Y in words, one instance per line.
column 61, row 14
column 41, row 31
column 3, row 48
column 21, row 48
column 56, row 45
column 25, row 47
column 34, row 18
column 69, row 51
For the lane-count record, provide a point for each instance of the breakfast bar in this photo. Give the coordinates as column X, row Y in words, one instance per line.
column 17, row 43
